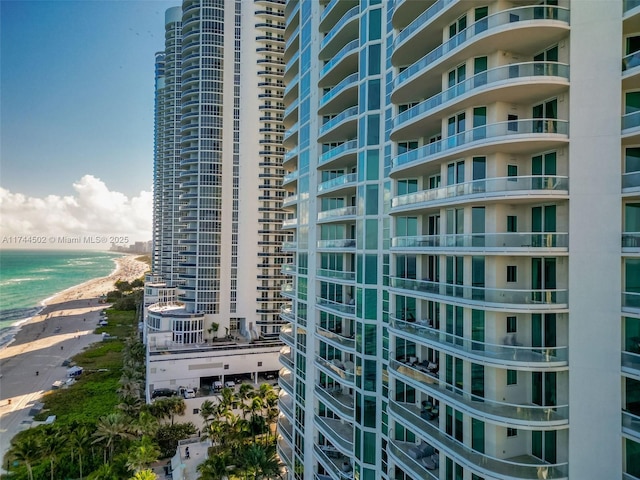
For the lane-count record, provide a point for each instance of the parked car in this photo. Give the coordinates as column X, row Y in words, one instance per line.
column 217, row 385
column 163, row 392
column 189, row 393
column 230, row 384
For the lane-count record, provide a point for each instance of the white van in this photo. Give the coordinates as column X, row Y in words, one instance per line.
column 217, row 385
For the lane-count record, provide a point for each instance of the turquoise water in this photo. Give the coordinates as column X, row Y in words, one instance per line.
column 27, row 277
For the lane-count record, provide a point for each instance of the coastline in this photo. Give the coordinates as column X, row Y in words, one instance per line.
column 62, row 328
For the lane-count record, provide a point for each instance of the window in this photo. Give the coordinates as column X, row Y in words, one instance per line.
column 512, row 171
column 512, row 273
column 512, row 432
column 512, row 223
column 512, row 377
column 512, row 324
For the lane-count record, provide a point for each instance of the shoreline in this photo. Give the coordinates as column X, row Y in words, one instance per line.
column 63, row 328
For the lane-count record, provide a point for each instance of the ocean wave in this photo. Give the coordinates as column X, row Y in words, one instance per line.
column 15, row 314
column 20, row 280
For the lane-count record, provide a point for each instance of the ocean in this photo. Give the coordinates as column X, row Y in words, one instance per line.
column 28, row 277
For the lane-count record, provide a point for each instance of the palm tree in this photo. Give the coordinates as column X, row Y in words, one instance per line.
column 78, row 441
column 145, row 424
column 108, row 430
column 52, row 445
column 144, row 475
column 176, row 407
column 144, row 452
column 27, row 450
column 207, row 411
column 104, row 472
column 130, row 405
column 216, row 467
column 260, row 462
column 245, row 392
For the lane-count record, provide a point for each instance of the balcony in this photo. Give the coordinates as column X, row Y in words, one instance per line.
column 347, row 244
column 631, row 424
column 334, row 11
column 329, row 274
column 337, row 369
column 483, row 352
column 540, row 133
column 487, row 243
column 337, row 464
column 336, row 400
column 285, row 452
column 631, row 302
column 525, row 29
column 507, row 83
column 290, row 201
column 631, row 181
column 285, row 403
column 340, row 156
column 286, row 336
column 399, row 452
column 335, row 307
column 338, row 214
column 409, row 415
column 287, row 290
column 290, row 137
column 486, row 298
column 343, row 31
column 341, row 96
column 337, row 432
column 630, row 127
column 346, row 120
column 290, row 177
column 631, row 363
column 339, row 341
column 285, row 380
column 291, row 45
column 291, row 88
column 513, row 414
column 631, row 242
column 344, row 63
column 285, row 428
column 534, row 186
column 343, row 183
column 286, row 358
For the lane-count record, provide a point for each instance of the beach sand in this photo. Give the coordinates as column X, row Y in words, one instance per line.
column 62, row 329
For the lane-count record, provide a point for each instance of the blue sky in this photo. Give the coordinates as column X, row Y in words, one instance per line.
column 76, row 96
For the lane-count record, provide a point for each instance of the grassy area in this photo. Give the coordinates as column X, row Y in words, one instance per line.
column 145, row 259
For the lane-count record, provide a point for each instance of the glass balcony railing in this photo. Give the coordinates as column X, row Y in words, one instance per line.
column 292, row 61
column 485, row 240
column 287, row 360
column 485, row 186
column 339, row 307
column 494, row 76
column 287, row 288
column 288, row 268
column 631, row 180
column 337, row 213
column 336, row 367
column 291, row 131
column 285, row 429
column 287, row 314
column 339, row 274
column 350, row 178
column 420, row 21
column 630, row 61
column 333, row 461
column 400, row 450
column 631, row 240
column 291, row 108
column 292, row 14
column 349, row 48
column 631, row 360
column 340, row 87
column 515, row 413
column 485, row 295
column 292, row 38
column 290, row 154
column 289, row 246
column 631, row 300
column 630, row 4
column 349, row 113
column 285, row 452
column 338, row 433
column 290, row 85
column 504, row 354
column 286, row 382
column 287, row 337
column 344, row 342
column 341, row 149
column 482, row 463
column 289, row 177
column 346, row 18
column 337, row 243
column 290, row 223
column 484, row 134
column 334, row 398
column 285, row 403
column 492, row 22
column 631, row 120
column 631, row 423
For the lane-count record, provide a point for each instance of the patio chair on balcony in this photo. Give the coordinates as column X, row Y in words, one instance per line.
column 432, row 462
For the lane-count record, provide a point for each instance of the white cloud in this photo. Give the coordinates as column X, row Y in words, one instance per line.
column 93, row 210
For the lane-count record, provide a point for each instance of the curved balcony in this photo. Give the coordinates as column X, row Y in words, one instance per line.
column 336, row 274
column 292, row 44
column 338, row 402
column 485, row 298
column 525, row 29
column 631, row 302
column 285, row 452
column 285, row 428
column 343, row 183
column 333, row 12
column 292, row 17
column 291, row 88
column 530, row 186
column 285, row 380
column 526, row 416
column 287, row 290
column 291, row 136
column 291, row 109
column 342, row 96
column 405, row 11
column 631, row 181
column 342, row 64
column 630, row 128
column 336, row 369
column 511, row 136
column 343, row 31
column 507, row 83
column 399, row 452
column 338, row 433
column 339, row 308
column 290, row 177
column 487, row 243
column 631, row 424
column 291, row 68
column 338, row 214
column 285, row 403
column 340, row 156
column 290, row 158
column 336, row 339
column 290, row 202
column 286, row 358
column 348, row 244
column 409, row 415
column 332, row 461
column 631, row 363
column 289, row 224
column 516, row 357
column 286, row 335
column 346, row 120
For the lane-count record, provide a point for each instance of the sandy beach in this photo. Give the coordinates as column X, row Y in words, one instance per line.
column 62, row 329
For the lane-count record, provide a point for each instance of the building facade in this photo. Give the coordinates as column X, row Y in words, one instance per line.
column 464, row 184
column 218, row 194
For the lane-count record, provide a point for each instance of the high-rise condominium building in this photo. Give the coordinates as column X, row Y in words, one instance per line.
column 465, row 182
column 218, row 195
